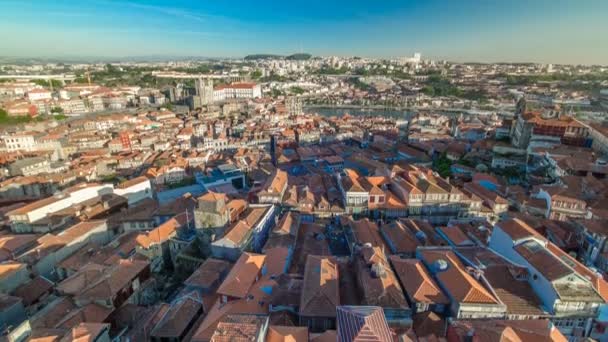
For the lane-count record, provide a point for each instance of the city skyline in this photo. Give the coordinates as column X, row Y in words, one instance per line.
column 298, row 171
column 477, row 31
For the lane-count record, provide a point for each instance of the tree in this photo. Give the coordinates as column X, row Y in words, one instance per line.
column 297, row 90
column 256, row 74
column 443, row 166
column 57, row 110
column 110, row 69
column 332, row 71
column 276, row 92
column 47, row 84
column 5, row 119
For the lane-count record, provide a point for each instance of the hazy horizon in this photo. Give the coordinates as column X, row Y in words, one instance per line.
column 541, row 31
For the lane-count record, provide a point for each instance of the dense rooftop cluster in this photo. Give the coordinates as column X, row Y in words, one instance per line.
column 249, row 217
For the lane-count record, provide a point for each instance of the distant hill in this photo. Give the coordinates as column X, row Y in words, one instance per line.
column 299, row 57
column 261, row 56
column 294, row 57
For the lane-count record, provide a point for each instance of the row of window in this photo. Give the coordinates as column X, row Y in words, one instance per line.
column 570, row 322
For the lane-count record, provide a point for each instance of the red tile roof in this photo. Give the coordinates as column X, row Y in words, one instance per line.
column 163, row 232
column 239, row 328
column 320, row 291
column 362, row 324
column 209, row 273
column 242, row 275
column 518, row 229
column 456, row 280
column 418, row 283
column 280, row 333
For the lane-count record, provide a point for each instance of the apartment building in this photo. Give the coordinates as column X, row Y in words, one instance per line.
column 563, row 203
column 23, row 141
column 548, row 127
column 467, row 289
column 237, row 91
column 274, row 189
column 24, row 219
column 569, row 290
column 431, row 197
column 379, row 285
column 250, row 232
column 320, row 294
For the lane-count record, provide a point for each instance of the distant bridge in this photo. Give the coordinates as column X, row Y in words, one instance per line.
column 181, row 75
column 61, row 77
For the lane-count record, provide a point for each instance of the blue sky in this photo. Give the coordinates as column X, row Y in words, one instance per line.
column 550, row 31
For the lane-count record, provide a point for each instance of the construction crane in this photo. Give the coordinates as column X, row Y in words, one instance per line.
column 88, row 75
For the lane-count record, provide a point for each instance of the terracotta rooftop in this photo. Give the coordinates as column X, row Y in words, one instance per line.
column 377, row 281
column 400, row 239
column 163, row 232
column 366, row 231
column 242, row 275
column 428, row 323
column 208, row 273
column 52, row 314
column 327, row 336
column 175, row 322
column 239, row 328
column 362, row 324
column 211, row 196
column 518, row 229
column 132, row 182
column 288, row 224
column 119, row 276
column 417, row 282
column 320, row 291
column 516, row 294
column 86, row 332
column 598, row 282
column 8, row 268
column 543, row 261
column 90, row 313
column 499, row 331
column 455, row 278
column 33, row 290
column 277, row 259
column 456, row 236
column 279, row 333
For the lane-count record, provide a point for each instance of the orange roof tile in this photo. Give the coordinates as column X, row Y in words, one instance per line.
column 242, row 275
column 279, row 333
column 462, row 286
column 417, row 282
column 163, row 232
column 518, row 229
column 320, row 291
